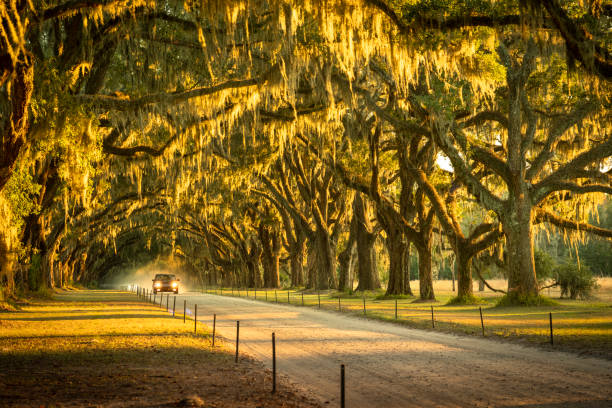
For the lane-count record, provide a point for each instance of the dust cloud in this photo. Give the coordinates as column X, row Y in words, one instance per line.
column 143, row 277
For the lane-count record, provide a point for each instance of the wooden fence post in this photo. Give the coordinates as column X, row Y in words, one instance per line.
column 481, row 321
column 237, row 337
column 273, row 363
column 214, row 326
column 433, row 322
column 342, row 392
column 395, row 309
column 551, row 329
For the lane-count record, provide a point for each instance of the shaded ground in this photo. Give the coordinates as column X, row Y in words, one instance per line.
column 389, row 365
column 104, row 348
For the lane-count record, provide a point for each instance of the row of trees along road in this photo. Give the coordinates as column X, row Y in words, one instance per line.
column 241, row 136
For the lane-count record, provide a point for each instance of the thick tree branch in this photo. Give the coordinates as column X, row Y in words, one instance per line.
column 485, row 116
column 558, row 128
column 568, row 170
column 451, row 23
column 547, row 216
column 579, row 43
column 117, row 103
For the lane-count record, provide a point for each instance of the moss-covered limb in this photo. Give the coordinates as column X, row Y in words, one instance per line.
column 555, row 133
column 110, row 102
column 484, row 116
column 426, row 22
column 543, row 215
column 571, row 169
column 69, row 8
column 579, row 42
column 283, row 198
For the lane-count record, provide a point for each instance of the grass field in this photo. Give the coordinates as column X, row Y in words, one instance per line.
column 92, row 348
column 583, row 326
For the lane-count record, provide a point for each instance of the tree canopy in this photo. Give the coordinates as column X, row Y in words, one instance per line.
column 253, row 139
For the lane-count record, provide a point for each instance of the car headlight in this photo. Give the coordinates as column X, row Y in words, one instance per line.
column 174, row 284
column 158, row 284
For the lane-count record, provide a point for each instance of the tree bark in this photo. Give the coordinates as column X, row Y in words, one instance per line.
column 516, row 216
column 426, row 289
column 296, row 262
column 464, row 274
column 311, row 265
column 399, row 263
column 365, row 238
column 517, row 228
column 253, row 278
column 326, row 261
column 396, row 252
column 7, row 261
column 407, row 269
column 345, row 260
column 270, row 241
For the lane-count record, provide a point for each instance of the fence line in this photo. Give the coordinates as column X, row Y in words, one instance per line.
column 394, row 309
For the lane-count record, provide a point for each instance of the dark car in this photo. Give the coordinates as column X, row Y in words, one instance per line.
column 165, row 283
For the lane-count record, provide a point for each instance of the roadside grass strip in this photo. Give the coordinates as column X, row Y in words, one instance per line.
column 583, row 326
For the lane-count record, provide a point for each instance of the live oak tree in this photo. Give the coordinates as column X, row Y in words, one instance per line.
column 527, row 155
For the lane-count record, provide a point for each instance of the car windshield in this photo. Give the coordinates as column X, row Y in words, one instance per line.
column 164, row 277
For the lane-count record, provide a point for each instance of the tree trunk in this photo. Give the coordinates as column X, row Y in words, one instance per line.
column 7, row 264
column 270, row 242
column 351, row 268
column 407, row 269
column 516, row 216
column 463, row 262
column 274, row 262
column 368, row 275
column 344, row 266
column 426, row 290
column 453, row 274
column 253, row 278
column 326, row 261
column 346, row 257
column 522, row 282
column 311, row 265
column 296, row 262
column 398, row 279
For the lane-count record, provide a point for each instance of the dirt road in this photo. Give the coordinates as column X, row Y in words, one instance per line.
column 392, row 366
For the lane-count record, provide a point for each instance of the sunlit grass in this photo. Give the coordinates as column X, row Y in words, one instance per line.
column 105, row 348
column 576, row 323
column 101, row 324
